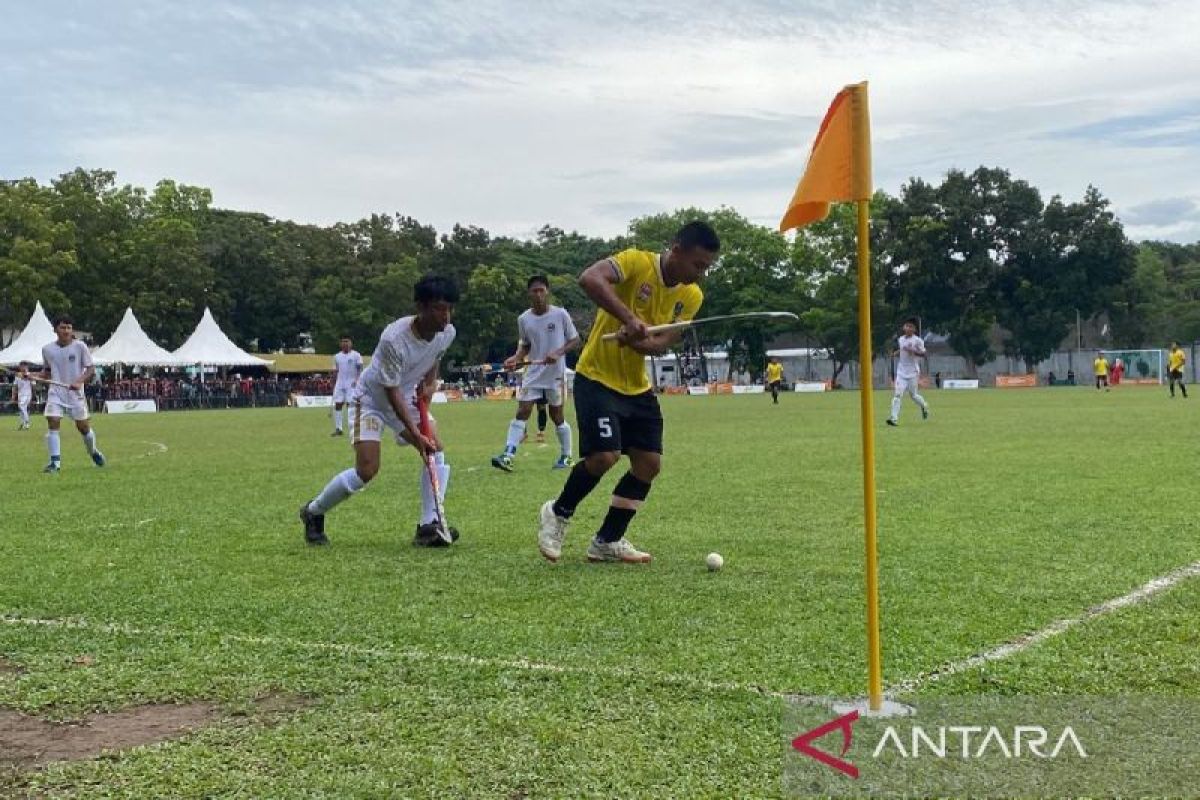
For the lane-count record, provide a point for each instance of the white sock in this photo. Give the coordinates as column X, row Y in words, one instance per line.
column 516, row 432
column 564, row 438
column 24, row 416
column 428, row 506
column 895, row 407
column 52, row 445
column 338, row 489
column 337, row 419
column 89, row 441
column 920, row 401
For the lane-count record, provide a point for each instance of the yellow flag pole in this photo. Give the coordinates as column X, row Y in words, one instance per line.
column 838, row 170
column 874, row 651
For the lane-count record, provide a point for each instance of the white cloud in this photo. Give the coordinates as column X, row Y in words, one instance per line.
column 491, row 114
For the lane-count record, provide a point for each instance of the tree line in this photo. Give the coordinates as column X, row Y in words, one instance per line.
column 976, row 253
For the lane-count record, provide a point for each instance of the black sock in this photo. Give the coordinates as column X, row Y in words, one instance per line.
column 579, row 485
column 617, row 520
column 541, row 419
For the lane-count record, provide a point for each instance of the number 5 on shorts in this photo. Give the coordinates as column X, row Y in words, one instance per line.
column 605, row 427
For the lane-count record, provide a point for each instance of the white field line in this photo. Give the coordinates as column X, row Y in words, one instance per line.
column 159, row 448
column 114, row 525
column 1139, row 595
column 412, row 654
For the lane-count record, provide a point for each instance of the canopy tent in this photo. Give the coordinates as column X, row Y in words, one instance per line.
column 208, row 345
column 36, row 334
column 131, row 346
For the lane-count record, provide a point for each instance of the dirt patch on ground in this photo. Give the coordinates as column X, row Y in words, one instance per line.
column 9, row 668
column 30, row 742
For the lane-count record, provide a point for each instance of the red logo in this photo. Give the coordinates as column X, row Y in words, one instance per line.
column 644, row 292
column 804, row 741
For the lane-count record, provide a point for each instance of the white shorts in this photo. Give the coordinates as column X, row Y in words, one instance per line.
column 343, row 394
column 910, row 385
column 372, row 418
column 530, row 394
column 65, row 403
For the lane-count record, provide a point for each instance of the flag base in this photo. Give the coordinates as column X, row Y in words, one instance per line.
column 889, row 708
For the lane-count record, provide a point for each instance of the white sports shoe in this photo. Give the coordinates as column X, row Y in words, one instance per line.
column 552, row 529
column 620, row 550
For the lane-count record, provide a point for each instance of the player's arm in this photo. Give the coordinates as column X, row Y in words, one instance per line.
column 597, row 281
column 516, row 358
column 88, row 374
column 425, row 445
column 555, row 355
column 391, row 368
column 655, row 344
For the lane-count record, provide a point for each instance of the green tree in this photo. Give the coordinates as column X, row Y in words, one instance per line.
column 36, row 253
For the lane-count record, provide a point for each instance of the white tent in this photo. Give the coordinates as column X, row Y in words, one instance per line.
column 131, row 346
column 37, row 333
column 208, row 345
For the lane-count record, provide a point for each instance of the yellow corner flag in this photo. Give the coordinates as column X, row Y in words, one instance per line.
column 839, row 170
column 839, row 167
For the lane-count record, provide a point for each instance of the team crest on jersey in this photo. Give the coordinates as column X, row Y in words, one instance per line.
column 678, row 311
column 550, row 327
column 644, row 292
column 71, row 357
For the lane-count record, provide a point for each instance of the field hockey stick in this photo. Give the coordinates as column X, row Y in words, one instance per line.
column 431, row 467
column 36, row 379
column 679, row 326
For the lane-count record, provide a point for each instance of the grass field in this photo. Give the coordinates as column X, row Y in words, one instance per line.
column 179, row 572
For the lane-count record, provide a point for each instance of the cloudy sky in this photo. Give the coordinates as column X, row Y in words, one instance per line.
column 510, row 115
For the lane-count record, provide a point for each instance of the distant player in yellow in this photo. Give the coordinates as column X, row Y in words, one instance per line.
column 1100, row 368
column 774, row 378
column 615, row 407
column 1176, row 359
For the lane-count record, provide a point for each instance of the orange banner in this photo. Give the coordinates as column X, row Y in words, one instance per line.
column 1015, row 381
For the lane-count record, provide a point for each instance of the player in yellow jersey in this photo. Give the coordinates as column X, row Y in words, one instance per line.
column 1176, row 359
column 615, row 408
column 1100, row 369
column 774, row 378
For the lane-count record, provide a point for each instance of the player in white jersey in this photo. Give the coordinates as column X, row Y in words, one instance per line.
column 22, row 394
column 545, row 334
column 67, row 362
column 911, row 348
column 348, row 365
column 405, row 362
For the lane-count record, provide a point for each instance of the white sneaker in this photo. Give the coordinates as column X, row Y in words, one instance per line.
column 552, row 530
column 620, row 550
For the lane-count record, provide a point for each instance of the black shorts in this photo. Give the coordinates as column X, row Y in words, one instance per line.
column 1175, row 374
column 774, row 384
column 609, row 421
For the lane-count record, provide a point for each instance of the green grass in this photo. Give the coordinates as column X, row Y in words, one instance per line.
column 1004, row 512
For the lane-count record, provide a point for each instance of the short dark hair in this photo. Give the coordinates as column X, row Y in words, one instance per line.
column 698, row 233
column 542, row 279
column 435, row 288
column 63, row 319
column 343, row 338
column 912, row 321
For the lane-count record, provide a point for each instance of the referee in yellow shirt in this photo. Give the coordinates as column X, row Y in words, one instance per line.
column 615, row 408
column 774, row 378
column 1176, row 359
